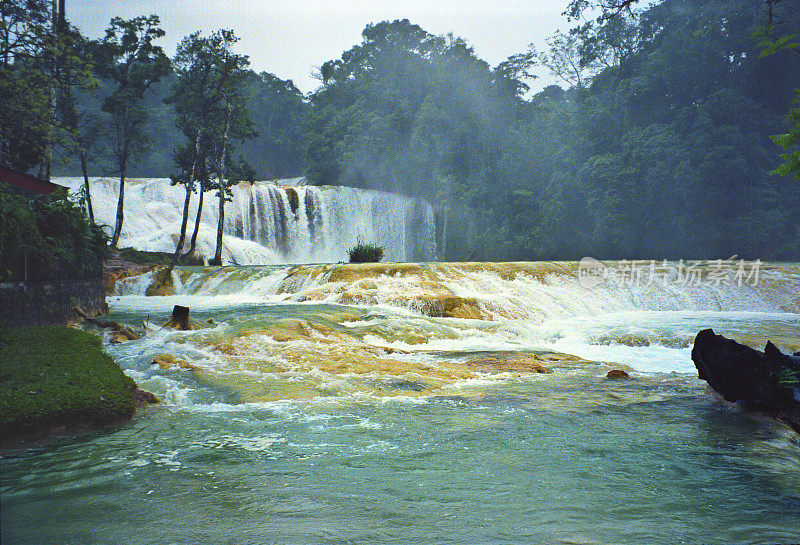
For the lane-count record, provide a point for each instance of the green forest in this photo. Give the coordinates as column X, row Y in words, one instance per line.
column 673, row 133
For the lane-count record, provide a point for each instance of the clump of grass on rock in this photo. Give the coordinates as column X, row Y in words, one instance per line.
column 366, row 253
column 59, row 376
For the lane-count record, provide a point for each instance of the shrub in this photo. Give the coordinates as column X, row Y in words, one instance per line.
column 366, row 253
column 47, row 237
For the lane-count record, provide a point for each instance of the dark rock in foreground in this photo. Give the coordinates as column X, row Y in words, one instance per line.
column 766, row 381
column 143, row 397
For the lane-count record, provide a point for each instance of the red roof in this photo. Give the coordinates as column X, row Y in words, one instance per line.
column 20, row 179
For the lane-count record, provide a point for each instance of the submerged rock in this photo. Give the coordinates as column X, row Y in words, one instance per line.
column 162, row 283
column 403, row 384
column 168, row 361
column 529, row 363
column 766, row 381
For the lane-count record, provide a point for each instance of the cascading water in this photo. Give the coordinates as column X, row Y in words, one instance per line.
column 540, row 306
column 271, row 223
column 493, row 291
column 412, row 403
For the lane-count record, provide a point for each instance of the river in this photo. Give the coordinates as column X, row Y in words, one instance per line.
column 401, row 404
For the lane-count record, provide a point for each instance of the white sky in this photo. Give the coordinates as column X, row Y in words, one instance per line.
column 291, row 38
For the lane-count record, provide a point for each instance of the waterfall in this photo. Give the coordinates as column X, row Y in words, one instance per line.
column 493, row 291
column 271, row 222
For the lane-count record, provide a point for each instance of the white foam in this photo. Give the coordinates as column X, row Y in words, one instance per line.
column 648, row 328
column 268, row 222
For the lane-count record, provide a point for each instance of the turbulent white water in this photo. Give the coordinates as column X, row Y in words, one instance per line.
column 270, row 223
column 394, row 403
column 412, row 403
column 537, row 290
column 456, row 307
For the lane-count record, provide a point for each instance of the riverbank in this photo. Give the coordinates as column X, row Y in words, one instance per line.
column 58, row 377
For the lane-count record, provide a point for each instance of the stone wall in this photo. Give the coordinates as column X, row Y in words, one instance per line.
column 48, row 303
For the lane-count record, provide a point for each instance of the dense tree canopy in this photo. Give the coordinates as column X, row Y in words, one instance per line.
column 659, row 148
column 46, row 238
column 40, row 58
column 658, row 144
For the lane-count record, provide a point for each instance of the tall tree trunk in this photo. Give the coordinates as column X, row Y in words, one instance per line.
column 84, row 168
column 184, row 220
column 44, row 165
column 120, row 204
column 221, row 186
column 189, row 188
column 193, row 241
column 61, row 21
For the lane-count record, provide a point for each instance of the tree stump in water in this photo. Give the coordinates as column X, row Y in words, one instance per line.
column 180, row 318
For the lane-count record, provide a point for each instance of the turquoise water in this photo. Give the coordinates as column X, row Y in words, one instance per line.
column 684, row 469
column 271, row 440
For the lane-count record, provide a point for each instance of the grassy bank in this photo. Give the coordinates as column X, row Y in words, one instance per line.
column 59, row 376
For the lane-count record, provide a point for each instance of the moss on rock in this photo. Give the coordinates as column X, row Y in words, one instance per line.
column 59, row 376
column 162, row 283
